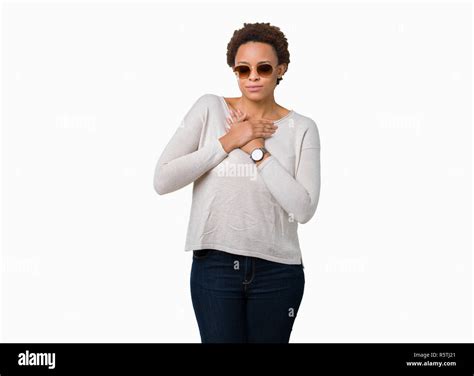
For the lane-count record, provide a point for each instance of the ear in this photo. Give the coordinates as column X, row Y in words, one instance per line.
column 282, row 69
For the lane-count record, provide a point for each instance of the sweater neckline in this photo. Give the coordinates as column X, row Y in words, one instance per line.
column 275, row 121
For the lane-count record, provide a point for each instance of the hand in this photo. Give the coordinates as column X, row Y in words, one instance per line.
column 243, row 130
column 252, row 144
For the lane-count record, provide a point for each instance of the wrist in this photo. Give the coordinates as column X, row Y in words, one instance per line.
column 227, row 143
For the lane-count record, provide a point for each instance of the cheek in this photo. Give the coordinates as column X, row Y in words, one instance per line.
column 270, row 82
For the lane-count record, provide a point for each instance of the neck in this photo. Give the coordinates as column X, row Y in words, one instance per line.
column 263, row 108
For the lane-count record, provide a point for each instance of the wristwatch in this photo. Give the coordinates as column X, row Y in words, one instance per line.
column 257, row 154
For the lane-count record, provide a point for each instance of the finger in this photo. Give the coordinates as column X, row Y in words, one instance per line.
column 244, row 115
column 270, row 126
column 265, row 128
column 264, row 133
column 241, row 115
column 233, row 117
column 266, row 122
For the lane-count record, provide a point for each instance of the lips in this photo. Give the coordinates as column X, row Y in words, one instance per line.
column 254, row 89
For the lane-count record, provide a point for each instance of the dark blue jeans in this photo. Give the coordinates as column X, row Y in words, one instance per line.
column 242, row 299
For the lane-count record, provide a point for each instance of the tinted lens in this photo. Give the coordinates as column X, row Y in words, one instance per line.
column 243, row 71
column 264, row 70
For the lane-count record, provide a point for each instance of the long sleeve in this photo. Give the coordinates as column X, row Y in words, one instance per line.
column 182, row 162
column 298, row 195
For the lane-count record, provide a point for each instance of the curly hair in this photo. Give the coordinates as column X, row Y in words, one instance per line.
column 259, row 32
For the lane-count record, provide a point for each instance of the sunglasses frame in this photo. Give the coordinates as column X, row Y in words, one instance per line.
column 250, row 70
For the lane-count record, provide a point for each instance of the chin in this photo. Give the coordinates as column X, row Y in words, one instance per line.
column 257, row 94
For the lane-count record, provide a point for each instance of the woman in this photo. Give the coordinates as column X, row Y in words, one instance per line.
column 256, row 172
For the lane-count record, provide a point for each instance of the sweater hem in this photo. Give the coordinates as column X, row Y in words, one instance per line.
column 242, row 252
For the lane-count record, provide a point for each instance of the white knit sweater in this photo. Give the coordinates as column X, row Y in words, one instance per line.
column 238, row 207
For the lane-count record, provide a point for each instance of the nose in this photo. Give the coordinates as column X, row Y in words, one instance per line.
column 254, row 75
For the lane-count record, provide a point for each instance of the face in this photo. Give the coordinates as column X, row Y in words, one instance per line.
column 252, row 55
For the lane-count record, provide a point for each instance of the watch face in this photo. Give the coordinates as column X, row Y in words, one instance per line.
column 257, row 154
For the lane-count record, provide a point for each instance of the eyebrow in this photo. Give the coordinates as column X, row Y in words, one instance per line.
column 244, row 62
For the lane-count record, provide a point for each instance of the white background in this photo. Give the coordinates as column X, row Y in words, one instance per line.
column 91, row 94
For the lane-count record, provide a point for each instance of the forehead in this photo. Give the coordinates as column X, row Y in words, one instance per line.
column 255, row 52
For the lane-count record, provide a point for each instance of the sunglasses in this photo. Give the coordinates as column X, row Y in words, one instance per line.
column 263, row 70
